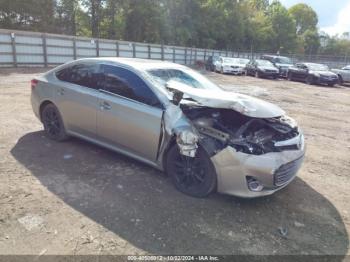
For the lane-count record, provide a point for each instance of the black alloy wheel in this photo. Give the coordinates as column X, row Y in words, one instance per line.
column 194, row 176
column 53, row 124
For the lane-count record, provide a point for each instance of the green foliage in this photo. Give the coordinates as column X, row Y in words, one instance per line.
column 305, row 18
column 256, row 25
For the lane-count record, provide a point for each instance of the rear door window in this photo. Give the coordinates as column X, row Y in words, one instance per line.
column 87, row 75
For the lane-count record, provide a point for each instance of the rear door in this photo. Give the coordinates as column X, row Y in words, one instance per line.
column 129, row 115
column 76, row 96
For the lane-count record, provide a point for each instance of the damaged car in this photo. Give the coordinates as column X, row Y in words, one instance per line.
column 174, row 119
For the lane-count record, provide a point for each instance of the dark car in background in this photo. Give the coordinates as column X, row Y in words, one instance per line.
column 283, row 63
column 262, row 68
column 312, row 73
column 210, row 63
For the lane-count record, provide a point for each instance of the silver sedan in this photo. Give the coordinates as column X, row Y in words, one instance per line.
column 174, row 119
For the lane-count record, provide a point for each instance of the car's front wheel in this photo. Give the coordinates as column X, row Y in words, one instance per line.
column 309, row 80
column 257, row 74
column 53, row 124
column 290, row 76
column 194, row 176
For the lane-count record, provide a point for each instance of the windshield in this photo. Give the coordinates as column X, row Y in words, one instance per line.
column 317, row 67
column 283, row 60
column 264, row 63
column 183, row 75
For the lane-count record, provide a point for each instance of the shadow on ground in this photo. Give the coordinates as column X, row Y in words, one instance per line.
column 140, row 205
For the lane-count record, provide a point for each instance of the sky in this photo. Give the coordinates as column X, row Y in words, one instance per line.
column 333, row 15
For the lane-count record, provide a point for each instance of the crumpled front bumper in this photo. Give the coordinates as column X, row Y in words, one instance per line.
column 234, row 167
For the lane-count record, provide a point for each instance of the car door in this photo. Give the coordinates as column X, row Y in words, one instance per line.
column 346, row 73
column 301, row 72
column 130, row 114
column 76, row 97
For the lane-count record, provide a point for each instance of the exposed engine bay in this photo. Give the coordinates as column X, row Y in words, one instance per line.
column 219, row 128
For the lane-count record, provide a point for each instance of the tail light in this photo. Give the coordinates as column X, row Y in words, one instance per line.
column 33, row 83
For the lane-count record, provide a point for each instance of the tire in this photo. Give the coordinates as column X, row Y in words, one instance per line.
column 246, row 73
column 257, row 74
column 221, row 70
column 309, row 80
column 289, row 77
column 53, row 124
column 195, row 177
column 330, row 85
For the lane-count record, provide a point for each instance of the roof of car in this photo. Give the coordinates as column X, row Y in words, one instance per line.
column 137, row 63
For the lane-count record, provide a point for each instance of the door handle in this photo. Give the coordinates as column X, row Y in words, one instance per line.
column 60, row 91
column 105, row 106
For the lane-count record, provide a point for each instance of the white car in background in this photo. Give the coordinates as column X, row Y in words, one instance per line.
column 343, row 74
column 230, row 65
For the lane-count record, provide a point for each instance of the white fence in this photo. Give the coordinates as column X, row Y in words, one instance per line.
column 22, row 48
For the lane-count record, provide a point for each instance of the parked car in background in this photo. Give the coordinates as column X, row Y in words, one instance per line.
column 262, row 68
column 210, row 63
column 283, row 63
column 343, row 74
column 231, row 65
column 312, row 73
column 174, row 119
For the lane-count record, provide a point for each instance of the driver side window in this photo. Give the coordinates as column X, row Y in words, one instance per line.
column 123, row 82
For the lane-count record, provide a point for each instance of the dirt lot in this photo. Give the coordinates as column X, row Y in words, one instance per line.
column 77, row 198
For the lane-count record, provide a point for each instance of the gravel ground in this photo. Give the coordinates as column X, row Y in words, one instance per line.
column 78, row 198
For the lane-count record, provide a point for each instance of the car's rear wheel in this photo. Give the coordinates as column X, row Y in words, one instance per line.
column 194, row 176
column 53, row 124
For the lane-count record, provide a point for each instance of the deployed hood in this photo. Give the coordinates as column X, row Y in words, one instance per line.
column 243, row 104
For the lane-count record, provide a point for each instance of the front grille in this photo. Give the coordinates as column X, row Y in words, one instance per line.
column 235, row 66
column 270, row 71
column 287, row 171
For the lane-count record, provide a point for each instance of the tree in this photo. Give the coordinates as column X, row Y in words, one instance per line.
column 17, row 14
column 305, row 18
column 94, row 8
column 66, row 12
column 284, row 36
